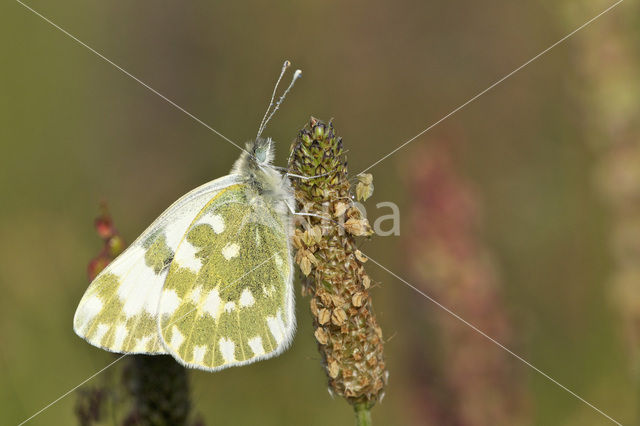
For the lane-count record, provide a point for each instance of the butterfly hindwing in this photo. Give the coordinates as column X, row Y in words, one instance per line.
column 228, row 298
column 118, row 312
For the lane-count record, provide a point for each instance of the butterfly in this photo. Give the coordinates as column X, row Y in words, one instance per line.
column 210, row 281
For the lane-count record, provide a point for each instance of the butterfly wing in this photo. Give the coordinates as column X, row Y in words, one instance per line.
column 118, row 312
column 228, row 297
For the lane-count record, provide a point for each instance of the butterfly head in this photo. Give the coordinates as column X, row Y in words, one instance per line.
column 257, row 172
column 257, row 156
column 262, row 151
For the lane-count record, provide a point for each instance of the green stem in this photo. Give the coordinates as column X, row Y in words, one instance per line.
column 363, row 415
column 636, row 375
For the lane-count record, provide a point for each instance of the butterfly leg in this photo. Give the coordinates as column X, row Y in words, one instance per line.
column 284, row 169
column 295, row 213
column 306, row 177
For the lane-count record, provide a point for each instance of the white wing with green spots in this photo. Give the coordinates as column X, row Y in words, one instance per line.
column 118, row 312
column 228, row 296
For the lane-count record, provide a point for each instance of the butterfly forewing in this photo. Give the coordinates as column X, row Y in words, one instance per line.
column 228, row 299
column 118, row 312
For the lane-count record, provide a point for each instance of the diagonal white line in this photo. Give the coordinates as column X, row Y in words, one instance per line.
column 494, row 341
column 492, row 86
column 127, row 73
column 72, row 389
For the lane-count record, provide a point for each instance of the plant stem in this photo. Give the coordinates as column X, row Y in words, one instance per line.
column 636, row 376
column 363, row 415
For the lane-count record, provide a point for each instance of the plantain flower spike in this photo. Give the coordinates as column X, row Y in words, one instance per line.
column 349, row 338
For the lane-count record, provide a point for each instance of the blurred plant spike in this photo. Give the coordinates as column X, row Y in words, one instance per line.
column 154, row 390
column 99, row 404
column 610, row 68
column 160, row 389
column 349, row 338
column 458, row 378
column 90, row 406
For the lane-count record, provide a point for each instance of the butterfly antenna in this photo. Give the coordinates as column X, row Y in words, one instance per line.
column 285, row 65
column 296, row 76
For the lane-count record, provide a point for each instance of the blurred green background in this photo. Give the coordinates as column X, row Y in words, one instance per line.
column 76, row 131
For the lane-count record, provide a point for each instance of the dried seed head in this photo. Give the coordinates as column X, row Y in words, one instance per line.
column 339, row 208
column 349, row 338
column 338, row 317
column 364, row 187
column 323, row 316
column 358, row 299
column 305, row 266
column 321, row 336
column 358, row 227
column 360, row 256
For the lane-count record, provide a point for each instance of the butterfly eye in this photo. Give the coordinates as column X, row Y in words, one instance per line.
column 261, row 154
column 261, row 151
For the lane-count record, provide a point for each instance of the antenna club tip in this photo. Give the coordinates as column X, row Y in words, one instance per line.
column 297, row 74
column 286, row 64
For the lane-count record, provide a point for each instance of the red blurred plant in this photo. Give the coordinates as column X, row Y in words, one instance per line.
column 459, row 378
column 113, row 243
